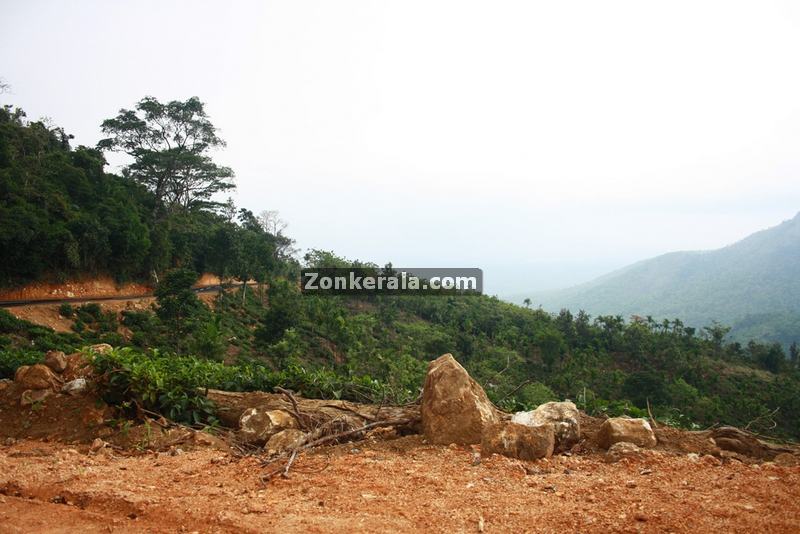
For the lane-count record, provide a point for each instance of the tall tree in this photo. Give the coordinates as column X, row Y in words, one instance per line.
column 170, row 145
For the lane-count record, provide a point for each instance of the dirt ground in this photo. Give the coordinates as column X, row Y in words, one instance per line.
column 48, row 314
column 102, row 286
column 401, row 485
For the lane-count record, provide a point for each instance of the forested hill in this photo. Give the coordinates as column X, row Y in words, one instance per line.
column 752, row 285
column 62, row 215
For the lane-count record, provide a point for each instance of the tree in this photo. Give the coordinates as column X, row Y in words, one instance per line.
column 178, row 305
column 527, row 302
column 794, row 354
column 272, row 224
column 169, row 144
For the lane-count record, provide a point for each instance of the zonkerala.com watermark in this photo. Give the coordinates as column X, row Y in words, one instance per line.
column 392, row 281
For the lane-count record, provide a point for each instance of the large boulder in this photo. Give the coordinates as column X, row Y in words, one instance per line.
column 257, row 425
column 56, row 360
column 562, row 416
column 518, row 441
column 36, row 377
column 617, row 429
column 455, row 409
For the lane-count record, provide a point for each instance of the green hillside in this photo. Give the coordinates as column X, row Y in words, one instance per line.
column 752, row 285
column 62, row 215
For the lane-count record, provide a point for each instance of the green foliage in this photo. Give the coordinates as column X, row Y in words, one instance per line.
column 169, row 144
column 173, row 385
column 66, row 310
column 62, row 215
column 178, row 305
column 10, row 360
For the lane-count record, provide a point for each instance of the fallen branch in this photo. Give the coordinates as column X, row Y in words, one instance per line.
column 301, row 420
column 311, row 443
column 650, row 413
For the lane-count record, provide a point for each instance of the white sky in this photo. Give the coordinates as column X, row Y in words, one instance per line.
column 559, row 139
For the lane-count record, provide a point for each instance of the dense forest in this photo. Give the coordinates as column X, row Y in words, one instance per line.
column 63, row 216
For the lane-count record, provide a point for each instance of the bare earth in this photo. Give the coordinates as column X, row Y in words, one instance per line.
column 397, row 485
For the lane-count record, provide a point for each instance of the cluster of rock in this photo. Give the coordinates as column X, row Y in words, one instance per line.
column 455, row 409
column 276, row 430
column 60, row 373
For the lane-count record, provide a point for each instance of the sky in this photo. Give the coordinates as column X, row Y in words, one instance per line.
column 545, row 142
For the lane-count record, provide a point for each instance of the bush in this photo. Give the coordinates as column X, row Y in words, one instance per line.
column 66, row 310
column 171, row 385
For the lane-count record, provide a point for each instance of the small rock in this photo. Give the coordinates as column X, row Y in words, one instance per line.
column 5, row 382
column 36, row 377
column 56, row 360
column 101, row 348
column 564, row 418
column 617, row 429
column 621, row 450
column 285, row 440
column 32, row 396
column 786, row 459
column 75, row 387
column 97, row 444
column 258, row 425
column 518, row 441
column 630, row 484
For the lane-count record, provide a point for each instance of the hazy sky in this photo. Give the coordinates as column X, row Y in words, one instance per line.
column 556, row 138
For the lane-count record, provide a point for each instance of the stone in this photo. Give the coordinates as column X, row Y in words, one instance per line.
column 787, row 459
column 617, row 429
column 257, row 425
column 455, row 409
column 5, row 383
column 56, row 360
column 622, row 449
column 97, row 444
column 285, row 440
column 36, row 377
column 101, row 348
column 205, row 439
column 518, row 441
column 77, row 367
column 32, row 396
column 75, row 387
column 564, row 418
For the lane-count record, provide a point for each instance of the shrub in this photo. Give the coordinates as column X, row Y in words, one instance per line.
column 66, row 310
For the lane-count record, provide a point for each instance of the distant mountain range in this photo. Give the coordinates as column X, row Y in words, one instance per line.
column 752, row 285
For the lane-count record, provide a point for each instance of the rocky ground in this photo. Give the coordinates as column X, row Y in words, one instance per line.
column 69, row 462
column 396, row 485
